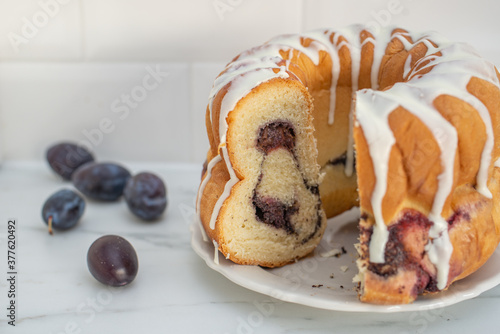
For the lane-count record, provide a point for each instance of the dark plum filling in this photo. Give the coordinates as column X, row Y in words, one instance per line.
column 271, row 211
column 312, row 189
column 275, row 213
column 318, row 221
column 276, row 134
column 405, row 249
column 458, row 216
column 395, row 256
column 204, row 168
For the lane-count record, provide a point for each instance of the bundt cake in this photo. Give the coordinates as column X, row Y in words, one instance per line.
column 404, row 125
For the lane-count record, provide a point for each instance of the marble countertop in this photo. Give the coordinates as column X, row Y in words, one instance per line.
column 175, row 291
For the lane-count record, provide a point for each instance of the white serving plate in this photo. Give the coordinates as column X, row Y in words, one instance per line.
column 326, row 282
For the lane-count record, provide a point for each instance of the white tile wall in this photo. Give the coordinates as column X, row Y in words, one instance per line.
column 202, row 77
column 475, row 22
column 40, row 29
column 82, row 55
column 207, row 30
column 42, row 103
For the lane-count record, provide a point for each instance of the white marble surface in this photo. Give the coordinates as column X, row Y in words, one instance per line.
column 174, row 292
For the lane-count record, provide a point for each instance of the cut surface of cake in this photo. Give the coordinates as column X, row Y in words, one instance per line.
column 404, row 125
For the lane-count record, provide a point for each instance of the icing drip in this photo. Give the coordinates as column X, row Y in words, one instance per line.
column 242, row 83
column 380, row 140
column 227, row 188
column 352, row 35
column 379, row 47
column 203, row 233
column 210, row 166
column 216, row 252
column 407, row 67
column 324, row 38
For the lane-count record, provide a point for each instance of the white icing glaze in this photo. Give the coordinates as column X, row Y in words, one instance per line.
column 457, row 58
column 203, row 184
column 241, row 85
column 380, row 139
column 203, row 232
column 331, row 48
column 378, row 53
column 354, row 44
column 294, row 42
column 407, row 67
column 227, row 188
column 451, row 72
column 240, row 67
column 216, row 252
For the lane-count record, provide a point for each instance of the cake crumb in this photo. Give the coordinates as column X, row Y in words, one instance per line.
column 317, row 285
column 334, row 252
column 331, row 276
column 344, row 268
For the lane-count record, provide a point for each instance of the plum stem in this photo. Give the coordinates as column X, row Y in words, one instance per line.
column 50, row 226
